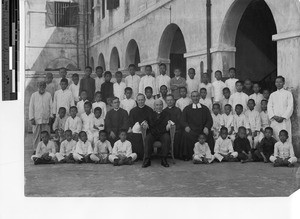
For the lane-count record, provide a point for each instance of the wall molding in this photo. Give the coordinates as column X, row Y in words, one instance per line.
column 201, row 52
column 286, row 35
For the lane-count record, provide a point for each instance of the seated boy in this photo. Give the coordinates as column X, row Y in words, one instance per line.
column 202, row 152
column 183, row 101
column 99, row 103
column 122, row 151
column 266, row 147
column 216, row 116
column 253, row 120
column 204, row 100
column 87, row 121
column 98, row 123
column 223, row 147
column 45, row 151
column 83, row 149
column 128, row 103
column 242, row 145
column 73, row 123
column 227, row 120
column 67, row 147
column 102, row 149
column 59, row 126
column 80, row 104
column 283, row 151
column 149, row 97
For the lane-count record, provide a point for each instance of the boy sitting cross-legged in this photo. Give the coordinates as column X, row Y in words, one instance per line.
column 223, row 147
column 202, row 152
column 242, row 145
column 45, row 151
column 102, row 149
column 83, row 149
column 122, row 151
column 67, row 148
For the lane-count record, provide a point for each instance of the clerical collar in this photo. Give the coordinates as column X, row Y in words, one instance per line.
column 195, row 106
column 170, row 107
column 116, row 109
column 177, row 78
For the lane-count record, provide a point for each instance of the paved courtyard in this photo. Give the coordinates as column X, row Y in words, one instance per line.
column 183, row 179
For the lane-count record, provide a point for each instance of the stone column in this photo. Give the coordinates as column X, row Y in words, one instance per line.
column 288, row 62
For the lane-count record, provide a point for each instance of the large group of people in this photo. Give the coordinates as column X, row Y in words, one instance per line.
column 116, row 120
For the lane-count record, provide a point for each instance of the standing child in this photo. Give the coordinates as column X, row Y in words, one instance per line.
column 99, row 80
column 107, row 88
column 45, row 151
column 40, row 112
column 217, row 117
column 122, row 151
column 266, row 146
column 59, row 125
column 176, row 83
column 204, row 100
column 192, row 83
column 257, row 97
column 253, row 120
column 83, row 149
column 99, row 103
column 239, row 119
column 223, row 147
column 217, row 87
column 227, row 120
column 163, row 78
column 87, row 121
column 163, row 95
column 73, row 123
column 205, row 84
column 133, row 80
column 67, row 147
column 183, row 101
column 242, row 146
column 74, row 87
column 87, row 83
column 239, row 97
column 98, row 123
column 102, row 149
column 202, row 153
column 148, row 81
column 225, row 100
column 230, row 82
column 266, row 94
column 128, row 103
column 80, row 104
column 51, row 86
column 63, row 97
column 248, row 87
column 264, row 118
column 63, row 75
column 149, row 97
column 283, row 151
column 119, row 86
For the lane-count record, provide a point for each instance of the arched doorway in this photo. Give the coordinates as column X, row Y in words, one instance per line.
column 172, row 47
column 101, row 61
column 92, row 63
column 114, row 63
column 249, row 26
column 132, row 54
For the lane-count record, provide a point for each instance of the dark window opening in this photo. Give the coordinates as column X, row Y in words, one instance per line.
column 112, row 4
column 66, row 14
column 103, row 9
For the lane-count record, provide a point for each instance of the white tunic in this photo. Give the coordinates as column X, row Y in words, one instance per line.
column 122, row 148
column 147, row 81
column 163, row 80
column 102, row 147
column 83, row 148
column 133, row 82
column 40, row 107
column 87, row 121
column 230, row 83
column 227, row 121
column 206, row 102
column 253, row 120
column 67, row 147
column 239, row 98
column 62, row 98
column 217, row 90
column 98, row 83
column 216, row 122
column 192, row 85
column 202, row 150
column 223, row 146
column 264, row 119
column 128, row 104
column 73, row 124
column 75, row 91
column 283, row 150
column 43, row 149
column 208, row 88
column 183, row 102
column 119, row 90
column 238, row 121
column 257, row 98
column 101, row 105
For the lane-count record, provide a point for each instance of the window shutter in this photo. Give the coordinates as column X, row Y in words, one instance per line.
column 50, row 22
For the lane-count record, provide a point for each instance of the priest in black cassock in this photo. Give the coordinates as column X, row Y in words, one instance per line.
column 138, row 115
column 116, row 120
column 159, row 128
column 175, row 117
column 196, row 119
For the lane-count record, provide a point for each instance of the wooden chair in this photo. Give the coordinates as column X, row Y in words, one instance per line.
column 157, row 144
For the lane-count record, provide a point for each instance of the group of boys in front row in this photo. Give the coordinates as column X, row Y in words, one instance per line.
column 81, row 135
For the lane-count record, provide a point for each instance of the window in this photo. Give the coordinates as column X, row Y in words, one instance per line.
column 103, row 9
column 62, row 14
column 112, row 4
column 92, row 11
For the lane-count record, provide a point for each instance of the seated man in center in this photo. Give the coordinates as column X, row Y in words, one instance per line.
column 159, row 127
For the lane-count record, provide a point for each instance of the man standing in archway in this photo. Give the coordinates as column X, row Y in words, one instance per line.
column 280, row 108
column 196, row 119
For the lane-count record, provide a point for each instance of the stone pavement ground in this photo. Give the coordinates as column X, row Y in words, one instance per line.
column 183, row 179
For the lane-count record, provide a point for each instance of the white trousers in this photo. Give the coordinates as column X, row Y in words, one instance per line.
column 253, row 141
column 77, row 157
column 35, row 156
column 99, row 157
column 200, row 158
column 277, row 127
column 112, row 157
column 220, row 157
column 291, row 159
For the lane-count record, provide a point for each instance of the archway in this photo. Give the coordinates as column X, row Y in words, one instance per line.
column 249, row 26
column 101, row 61
column 114, row 63
column 172, row 47
column 92, row 63
column 132, row 54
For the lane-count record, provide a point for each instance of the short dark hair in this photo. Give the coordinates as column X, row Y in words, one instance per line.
column 170, row 95
column 223, row 129
column 218, row 71
column 132, row 65
column 269, row 128
column 239, row 105
column 75, row 75
column 88, row 67
column 281, row 77
column 148, row 66
column 203, row 89
column 241, row 127
column 239, row 82
column 98, row 92
column 107, row 73
column 68, row 131
column 119, row 73
column 88, row 103
column 82, row 132
column 99, row 67
column 73, row 107
column 64, row 80
column 264, row 101
column 115, row 98
column 228, row 105
column 216, row 104
column 285, row 132
column 251, row 100
column 102, row 131
column 62, row 68
column 62, row 108
column 98, row 109
column 149, row 88
column 232, row 69
column 192, row 69
column 183, row 88
column 45, row 132
column 123, row 131
column 163, row 86
column 226, row 88
column 128, row 89
column 202, row 134
column 163, row 64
